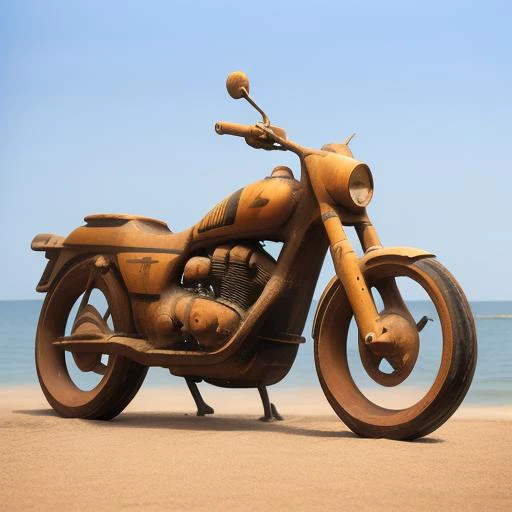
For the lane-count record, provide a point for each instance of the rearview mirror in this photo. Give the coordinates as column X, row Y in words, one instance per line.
column 237, row 85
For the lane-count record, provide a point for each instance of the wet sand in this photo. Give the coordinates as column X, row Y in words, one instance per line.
column 158, row 455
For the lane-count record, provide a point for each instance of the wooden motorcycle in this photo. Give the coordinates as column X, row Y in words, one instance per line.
column 211, row 304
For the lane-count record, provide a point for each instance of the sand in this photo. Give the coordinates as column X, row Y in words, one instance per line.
column 159, row 456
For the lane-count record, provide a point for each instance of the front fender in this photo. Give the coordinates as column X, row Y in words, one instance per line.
column 384, row 253
column 371, row 258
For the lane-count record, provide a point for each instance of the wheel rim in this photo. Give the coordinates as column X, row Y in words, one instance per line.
column 52, row 367
column 332, row 358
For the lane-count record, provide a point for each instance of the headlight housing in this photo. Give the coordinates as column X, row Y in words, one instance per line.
column 360, row 186
column 348, row 182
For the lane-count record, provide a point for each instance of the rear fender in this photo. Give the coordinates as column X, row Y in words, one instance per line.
column 59, row 256
column 370, row 259
column 52, row 245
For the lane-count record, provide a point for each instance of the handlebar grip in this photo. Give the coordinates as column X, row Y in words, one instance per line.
column 240, row 130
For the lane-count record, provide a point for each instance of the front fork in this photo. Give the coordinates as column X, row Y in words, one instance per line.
column 346, row 264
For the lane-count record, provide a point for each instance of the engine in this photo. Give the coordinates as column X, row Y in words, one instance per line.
column 239, row 274
column 216, row 292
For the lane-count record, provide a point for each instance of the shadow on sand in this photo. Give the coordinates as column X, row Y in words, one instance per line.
column 169, row 421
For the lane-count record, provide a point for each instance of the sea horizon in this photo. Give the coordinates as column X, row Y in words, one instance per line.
column 492, row 383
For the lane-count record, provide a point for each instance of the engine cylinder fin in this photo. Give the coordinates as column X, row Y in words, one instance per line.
column 237, row 281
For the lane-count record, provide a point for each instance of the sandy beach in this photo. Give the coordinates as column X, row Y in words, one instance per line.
column 158, row 455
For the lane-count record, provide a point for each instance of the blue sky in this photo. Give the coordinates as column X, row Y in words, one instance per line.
column 110, row 107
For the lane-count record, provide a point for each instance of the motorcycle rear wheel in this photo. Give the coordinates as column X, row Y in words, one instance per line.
column 455, row 373
column 121, row 379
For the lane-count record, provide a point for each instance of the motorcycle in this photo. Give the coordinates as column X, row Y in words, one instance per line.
column 211, row 304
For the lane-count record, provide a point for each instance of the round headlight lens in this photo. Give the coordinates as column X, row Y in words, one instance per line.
column 361, row 186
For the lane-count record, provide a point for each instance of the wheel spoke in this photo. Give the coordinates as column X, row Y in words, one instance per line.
column 100, row 368
column 395, row 362
column 85, row 297
column 392, row 298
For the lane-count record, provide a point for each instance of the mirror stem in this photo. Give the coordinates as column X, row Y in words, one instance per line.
column 266, row 120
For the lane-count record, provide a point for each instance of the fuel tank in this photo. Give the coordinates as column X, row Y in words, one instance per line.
column 259, row 209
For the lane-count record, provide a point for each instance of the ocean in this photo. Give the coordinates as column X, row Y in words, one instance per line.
column 492, row 384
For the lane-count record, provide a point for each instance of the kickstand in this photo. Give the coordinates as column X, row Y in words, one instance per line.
column 269, row 409
column 202, row 407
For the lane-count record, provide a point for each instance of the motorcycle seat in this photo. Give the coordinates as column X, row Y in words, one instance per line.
column 126, row 232
column 116, row 219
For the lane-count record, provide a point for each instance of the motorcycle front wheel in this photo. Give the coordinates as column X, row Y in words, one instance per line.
column 452, row 378
column 68, row 305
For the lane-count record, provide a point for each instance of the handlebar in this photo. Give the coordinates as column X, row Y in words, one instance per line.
column 240, row 130
column 259, row 136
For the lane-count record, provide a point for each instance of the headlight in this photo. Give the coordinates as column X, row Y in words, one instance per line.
column 360, row 186
column 348, row 181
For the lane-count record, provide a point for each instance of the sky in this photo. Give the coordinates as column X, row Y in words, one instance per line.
column 111, row 106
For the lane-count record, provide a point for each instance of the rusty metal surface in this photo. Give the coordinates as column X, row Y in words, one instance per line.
column 210, row 303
